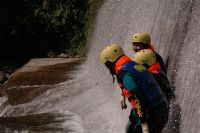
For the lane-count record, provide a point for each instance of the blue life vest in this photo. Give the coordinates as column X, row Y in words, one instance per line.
column 153, row 96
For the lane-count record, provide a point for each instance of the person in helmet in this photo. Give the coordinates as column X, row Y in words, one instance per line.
column 141, row 90
column 147, row 58
column 142, row 40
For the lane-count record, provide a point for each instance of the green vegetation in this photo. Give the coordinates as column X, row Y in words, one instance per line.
column 30, row 28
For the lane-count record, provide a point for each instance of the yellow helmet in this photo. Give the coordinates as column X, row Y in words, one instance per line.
column 145, row 56
column 111, row 53
column 141, row 37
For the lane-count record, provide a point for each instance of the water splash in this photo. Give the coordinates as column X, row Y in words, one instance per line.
column 91, row 95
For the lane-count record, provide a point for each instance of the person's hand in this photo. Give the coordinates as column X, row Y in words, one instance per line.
column 145, row 128
column 123, row 102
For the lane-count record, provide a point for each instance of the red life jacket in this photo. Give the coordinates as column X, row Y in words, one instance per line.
column 151, row 47
column 159, row 59
column 124, row 59
column 155, row 68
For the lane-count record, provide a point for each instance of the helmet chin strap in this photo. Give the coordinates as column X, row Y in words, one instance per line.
column 111, row 67
column 113, row 78
column 112, row 74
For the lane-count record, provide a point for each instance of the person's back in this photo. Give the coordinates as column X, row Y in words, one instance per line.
column 164, row 83
column 147, row 58
column 153, row 95
column 153, row 98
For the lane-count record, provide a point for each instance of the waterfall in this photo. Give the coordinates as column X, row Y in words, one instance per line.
column 92, row 98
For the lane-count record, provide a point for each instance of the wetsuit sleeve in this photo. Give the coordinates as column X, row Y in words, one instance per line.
column 129, row 82
column 132, row 92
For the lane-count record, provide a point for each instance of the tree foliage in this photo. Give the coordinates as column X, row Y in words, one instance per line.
column 30, row 28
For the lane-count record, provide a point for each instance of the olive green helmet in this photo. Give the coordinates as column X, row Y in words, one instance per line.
column 145, row 56
column 141, row 37
column 111, row 53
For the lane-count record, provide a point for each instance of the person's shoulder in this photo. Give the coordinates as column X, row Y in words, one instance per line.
column 157, row 54
column 160, row 60
column 121, row 73
column 159, row 57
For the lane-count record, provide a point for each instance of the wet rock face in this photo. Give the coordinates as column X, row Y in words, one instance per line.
column 36, row 77
column 20, row 95
column 2, row 93
column 43, row 123
column 3, row 77
column 46, row 75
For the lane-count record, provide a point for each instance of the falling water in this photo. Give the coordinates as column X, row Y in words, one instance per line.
column 90, row 101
